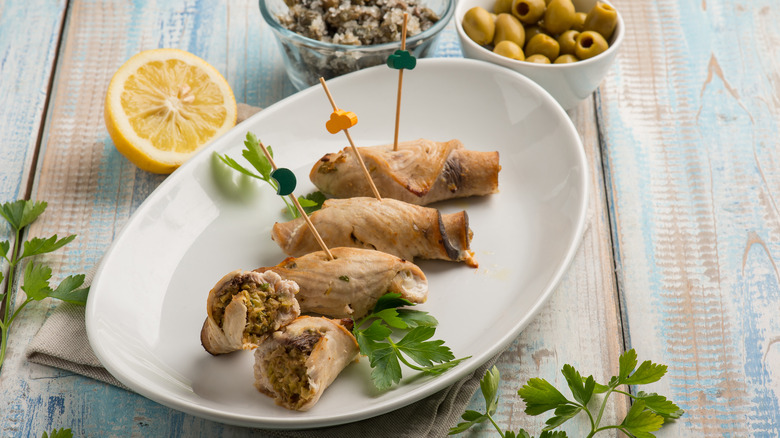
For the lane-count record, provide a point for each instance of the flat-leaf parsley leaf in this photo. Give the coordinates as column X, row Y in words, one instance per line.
column 36, row 276
column 375, row 335
column 255, row 156
column 647, row 414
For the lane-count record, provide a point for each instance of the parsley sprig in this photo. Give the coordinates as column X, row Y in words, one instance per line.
column 254, row 155
column 647, row 414
column 61, row 433
column 36, row 276
column 375, row 335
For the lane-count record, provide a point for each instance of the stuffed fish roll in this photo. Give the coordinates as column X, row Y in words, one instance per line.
column 350, row 285
column 395, row 227
column 243, row 307
column 419, row 172
column 296, row 364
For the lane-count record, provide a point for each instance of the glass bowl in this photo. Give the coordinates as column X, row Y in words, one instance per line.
column 306, row 59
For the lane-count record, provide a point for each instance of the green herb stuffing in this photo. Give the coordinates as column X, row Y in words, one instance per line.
column 255, row 156
column 373, row 333
column 36, row 276
column 344, row 278
column 647, row 414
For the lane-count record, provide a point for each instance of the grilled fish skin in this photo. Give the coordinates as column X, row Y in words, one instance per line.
column 350, row 285
column 419, row 172
column 395, row 227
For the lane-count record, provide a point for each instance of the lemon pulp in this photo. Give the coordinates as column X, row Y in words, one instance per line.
column 163, row 105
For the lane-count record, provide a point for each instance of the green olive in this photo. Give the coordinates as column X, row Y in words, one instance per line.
column 502, row 6
column 538, row 59
column 533, row 31
column 509, row 28
column 528, row 11
column 565, row 59
column 579, row 21
column 590, row 44
column 510, row 50
column 568, row 42
column 602, row 19
column 543, row 45
column 559, row 16
column 479, row 25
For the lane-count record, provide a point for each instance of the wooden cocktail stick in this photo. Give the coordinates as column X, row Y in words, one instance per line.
column 351, row 143
column 400, row 85
column 300, row 209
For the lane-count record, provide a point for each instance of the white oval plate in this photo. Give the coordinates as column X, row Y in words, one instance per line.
column 148, row 299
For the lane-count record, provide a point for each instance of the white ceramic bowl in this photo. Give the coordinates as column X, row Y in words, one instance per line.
column 569, row 83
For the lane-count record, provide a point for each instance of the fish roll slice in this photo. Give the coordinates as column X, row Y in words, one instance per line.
column 419, row 172
column 350, row 285
column 243, row 307
column 296, row 364
column 395, row 227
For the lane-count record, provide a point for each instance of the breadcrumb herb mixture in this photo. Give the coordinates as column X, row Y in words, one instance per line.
column 356, row 22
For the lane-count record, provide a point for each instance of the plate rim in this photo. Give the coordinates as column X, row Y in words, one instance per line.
column 437, row 384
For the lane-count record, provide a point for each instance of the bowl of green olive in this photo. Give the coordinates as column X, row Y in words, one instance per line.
column 566, row 46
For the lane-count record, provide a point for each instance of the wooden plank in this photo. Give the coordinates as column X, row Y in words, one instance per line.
column 254, row 68
column 690, row 125
column 580, row 325
column 26, row 65
column 92, row 189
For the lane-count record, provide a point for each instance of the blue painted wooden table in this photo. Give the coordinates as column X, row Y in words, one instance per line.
column 678, row 260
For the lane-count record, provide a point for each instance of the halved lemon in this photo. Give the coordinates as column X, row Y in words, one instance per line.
column 163, row 105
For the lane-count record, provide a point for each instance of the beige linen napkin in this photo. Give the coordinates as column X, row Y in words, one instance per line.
column 62, row 343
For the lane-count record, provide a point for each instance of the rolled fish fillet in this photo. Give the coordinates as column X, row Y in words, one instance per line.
column 395, row 227
column 297, row 363
column 419, row 172
column 243, row 307
column 350, row 285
